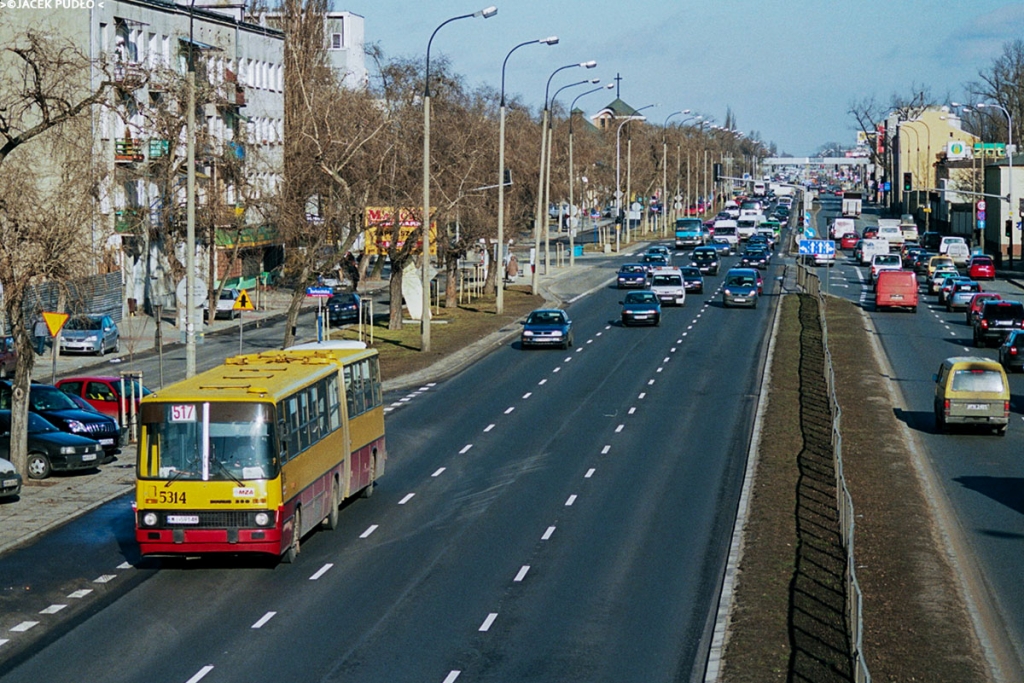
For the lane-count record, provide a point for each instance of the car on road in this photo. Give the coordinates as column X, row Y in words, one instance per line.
column 848, row 241
column 10, row 480
column 547, row 327
column 706, row 260
column 960, row 295
column 976, row 302
column 950, row 283
column 225, row 304
column 740, row 288
column 938, row 261
column 880, row 262
column 641, row 308
column 660, row 249
column 996, row 320
column 651, row 261
column 1011, row 352
column 103, row 392
column 8, row 357
column 343, row 307
column 754, row 258
column 722, row 245
column 896, row 289
column 50, row 449
column 693, row 279
column 971, row 391
column 920, row 263
column 632, row 275
column 981, row 268
column 938, row 277
column 59, row 410
column 94, row 334
column 667, row 284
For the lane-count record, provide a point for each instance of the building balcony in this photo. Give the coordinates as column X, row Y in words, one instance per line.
column 128, row 150
column 128, row 75
column 159, row 148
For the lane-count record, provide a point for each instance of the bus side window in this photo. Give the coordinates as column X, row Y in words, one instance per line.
column 282, row 434
column 333, row 403
column 315, row 432
column 292, row 415
column 323, row 419
column 377, row 399
column 349, row 392
column 303, row 420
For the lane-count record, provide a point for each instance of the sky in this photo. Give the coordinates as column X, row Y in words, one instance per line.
column 788, row 70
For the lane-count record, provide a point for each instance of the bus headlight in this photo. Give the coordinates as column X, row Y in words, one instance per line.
column 262, row 519
column 149, row 519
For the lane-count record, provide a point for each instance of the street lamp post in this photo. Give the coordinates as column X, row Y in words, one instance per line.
column 618, row 166
column 1009, row 168
column 547, row 171
column 499, row 296
column 540, row 215
column 664, row 170
column 572, row 108
column 425, row 219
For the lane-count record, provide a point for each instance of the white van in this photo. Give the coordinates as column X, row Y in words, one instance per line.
column 727, row 230
column 955, row 248
column 870, row 248
column 889, row 229
column 667, row 284
column 746, row 227
column 842, row 226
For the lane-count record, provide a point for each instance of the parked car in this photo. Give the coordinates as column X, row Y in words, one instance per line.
column 642, row 308
column 225, row 304
column 343, row 308
column 981, row 268
column 10, row 480
column 971, row 391
column 103, row 392
column 95, row 334
column 8, row 357
column 1011, row 352
column 59, row 410
column 547, row 327
column 50, row 449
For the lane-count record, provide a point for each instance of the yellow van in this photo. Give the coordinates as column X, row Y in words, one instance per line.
column 970, row 390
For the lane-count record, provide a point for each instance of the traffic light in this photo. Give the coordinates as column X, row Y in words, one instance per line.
column 718, row 172
column 908, row 182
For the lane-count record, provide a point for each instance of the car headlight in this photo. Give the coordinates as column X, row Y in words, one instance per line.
column 91, row 338
column 262, row 519
column 527, row 333
column 67, row 450
column 727, row 291
column 149, row 519
column 75, row 426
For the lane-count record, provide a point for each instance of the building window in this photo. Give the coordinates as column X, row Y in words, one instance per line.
column 336, row 41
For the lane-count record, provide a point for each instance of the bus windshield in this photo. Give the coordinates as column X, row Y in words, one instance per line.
column 208, row 442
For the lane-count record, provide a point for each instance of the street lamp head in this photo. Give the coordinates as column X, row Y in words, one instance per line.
column 487, row 12
column 685, row 111
column 594, row 80
column 609, row 86
column 588, row 65
column 550, row 40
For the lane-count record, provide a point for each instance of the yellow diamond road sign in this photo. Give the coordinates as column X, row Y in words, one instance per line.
column 243, row 302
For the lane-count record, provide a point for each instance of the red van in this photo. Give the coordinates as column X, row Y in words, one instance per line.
column 896, row 288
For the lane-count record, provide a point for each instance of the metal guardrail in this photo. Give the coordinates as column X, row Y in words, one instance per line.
column 808, row 281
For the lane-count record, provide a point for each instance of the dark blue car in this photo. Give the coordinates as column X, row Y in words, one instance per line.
column 547, row 327
column 641, row 308
column 632, row 275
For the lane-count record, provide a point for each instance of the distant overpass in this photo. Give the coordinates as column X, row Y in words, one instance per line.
column 815, row 161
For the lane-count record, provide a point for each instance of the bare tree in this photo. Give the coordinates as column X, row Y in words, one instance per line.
column 46, row 99
column 1002, row 83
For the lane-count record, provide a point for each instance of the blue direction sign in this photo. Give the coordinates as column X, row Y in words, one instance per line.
column 817, row 247
column 324, row 292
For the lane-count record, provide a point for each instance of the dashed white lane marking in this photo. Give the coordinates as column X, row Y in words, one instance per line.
column 201, row 674
column 619, row 428
column 488, row 621
column 125, row 565
column 667, row 359
column 557, row 369
column 607, row 327
column 542, row 382
column 406, row 498
column 689, row 327
column 509, row 409
column 642, row 394
column 684, row 334
column 4, row 640
column 650, row 382
column 465, row 449
column 320, row 572
column 452, row 675
column 567, row 359
column 369, row 530
column 106, row 578
column 578, row 349
column 264, row 619
column 522, row 573
column 396, row 404
column 659, row 369
column 632, row 410
column 604, row 451
column 570, row 500
column 590, row 341
column 24, row 626
column 489, row 427
column 437, row 472
column 591, row 471
column 52, row 609
column 80, row 593
column 599, row 334
column 528, row 394
column 547, row 534
column 672, row 350
column 679, row 341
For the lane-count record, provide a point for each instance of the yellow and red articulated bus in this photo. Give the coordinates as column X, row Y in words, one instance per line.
column 250, row 456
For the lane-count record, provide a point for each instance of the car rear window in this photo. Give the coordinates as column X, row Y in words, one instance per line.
column 1003, row 311
column 977, row 380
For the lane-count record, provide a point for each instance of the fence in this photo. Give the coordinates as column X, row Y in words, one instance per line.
column 92, row 295
column 809, row 282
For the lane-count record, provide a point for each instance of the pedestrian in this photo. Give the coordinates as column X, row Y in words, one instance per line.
column 351, row 270
column 40, row 333
column 512, row 269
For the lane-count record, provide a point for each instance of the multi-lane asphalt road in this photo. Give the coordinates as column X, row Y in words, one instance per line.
column 981, row 475
column 545, row 515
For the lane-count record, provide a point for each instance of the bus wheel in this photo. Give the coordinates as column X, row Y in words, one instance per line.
column 368, row 491
column 293, row 549
column 331, row 520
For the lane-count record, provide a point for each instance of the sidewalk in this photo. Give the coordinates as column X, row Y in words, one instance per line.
column 49, row 503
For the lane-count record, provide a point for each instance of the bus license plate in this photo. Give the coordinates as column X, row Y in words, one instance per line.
column 88, row 456
column 183, row 519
